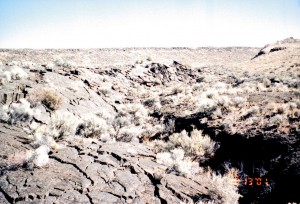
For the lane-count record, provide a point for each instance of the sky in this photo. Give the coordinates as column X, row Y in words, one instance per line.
column 146, row 23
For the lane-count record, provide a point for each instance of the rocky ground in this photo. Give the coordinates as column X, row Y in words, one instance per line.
column 153, row 125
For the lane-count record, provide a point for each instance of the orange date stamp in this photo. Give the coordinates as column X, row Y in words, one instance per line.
column 249, row 181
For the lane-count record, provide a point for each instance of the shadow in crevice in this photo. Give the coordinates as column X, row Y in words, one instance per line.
column 268, row 158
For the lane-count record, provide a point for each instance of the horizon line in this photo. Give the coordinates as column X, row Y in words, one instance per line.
column 121, row 48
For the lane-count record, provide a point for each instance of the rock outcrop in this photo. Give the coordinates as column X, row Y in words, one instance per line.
column 92, row 172
column 249, row 108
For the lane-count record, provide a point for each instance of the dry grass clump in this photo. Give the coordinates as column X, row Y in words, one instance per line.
column 275, row 108
column 195, row 146
column 129, row 134
column 51, row 100
column 47, row 97
column 238, row 101
column 176, row 90
column 40, row 157
column 176, row 161
column 10, row 74
column 288, row 110
column 250, row 112
column 62, row 63
column 22, row 114
column 93, row 127
column 135, row 113
column 18, row 113
column 121, row 120
column 272, row 117
column 223, row 101
column 205, row 103
column 223, row 188
column 204, row 96
column 132, row 133
column 5, row 77
column 61, row 125
column 18, row 73
column 132, row 123
column 293, row 110
column 59, row 61
column 27, row 64
column 277, row 119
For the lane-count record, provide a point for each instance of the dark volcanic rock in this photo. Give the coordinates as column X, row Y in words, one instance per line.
column 92, row 172
column 250, row 108
column 156, row 73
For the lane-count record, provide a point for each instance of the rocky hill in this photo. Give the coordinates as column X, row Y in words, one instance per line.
column 150, row 125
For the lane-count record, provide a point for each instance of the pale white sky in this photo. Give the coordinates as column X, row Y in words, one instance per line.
column 138, row 23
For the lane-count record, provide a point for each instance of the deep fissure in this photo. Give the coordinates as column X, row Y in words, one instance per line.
column 261, row 160
column 80, row 170
column 155, row 183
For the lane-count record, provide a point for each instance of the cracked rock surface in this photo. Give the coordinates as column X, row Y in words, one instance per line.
column 92, row 172
column 245, row 100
